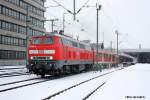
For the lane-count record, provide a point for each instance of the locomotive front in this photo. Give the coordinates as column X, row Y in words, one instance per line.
column 43, row 53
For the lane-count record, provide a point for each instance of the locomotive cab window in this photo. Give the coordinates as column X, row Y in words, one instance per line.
column 48, row 40
column 36, row 41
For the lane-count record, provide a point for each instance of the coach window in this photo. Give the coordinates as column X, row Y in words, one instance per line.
column 82, row 46
column 70, row 43
column 65, row 42
column 74, row 44
column 100, row 55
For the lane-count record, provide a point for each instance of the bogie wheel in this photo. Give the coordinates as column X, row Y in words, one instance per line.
column 43, row 76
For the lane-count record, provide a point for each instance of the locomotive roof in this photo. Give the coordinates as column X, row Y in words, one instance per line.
column 63, row 36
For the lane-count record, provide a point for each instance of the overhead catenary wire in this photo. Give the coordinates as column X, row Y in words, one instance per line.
column 63, row 7
column 78, row 11
column 70, row 10
column 83, row 6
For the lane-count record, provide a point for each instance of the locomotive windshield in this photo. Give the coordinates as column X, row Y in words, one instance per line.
column 48, row 40
column 43, row 40
column 36, row 41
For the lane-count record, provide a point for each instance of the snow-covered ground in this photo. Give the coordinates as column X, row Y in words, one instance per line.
column 1, row 67
column 16, row 78
column 12, row 69
column 42, row 90
column 130, row 82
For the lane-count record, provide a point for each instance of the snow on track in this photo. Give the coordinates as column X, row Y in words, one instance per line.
column 2, row 88
column 132, row 83
column 11, row 67
column 16, row 78
column 80, row 92
column 42, row 90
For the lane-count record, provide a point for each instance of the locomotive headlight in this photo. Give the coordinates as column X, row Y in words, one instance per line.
column 51, row 57
column 31, row 58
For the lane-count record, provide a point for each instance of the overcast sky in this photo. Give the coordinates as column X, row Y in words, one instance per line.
column 129, row 17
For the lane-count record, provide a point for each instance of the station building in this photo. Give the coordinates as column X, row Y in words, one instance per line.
column 19, row 19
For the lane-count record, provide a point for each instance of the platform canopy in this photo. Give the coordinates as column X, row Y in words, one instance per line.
column 136, row 50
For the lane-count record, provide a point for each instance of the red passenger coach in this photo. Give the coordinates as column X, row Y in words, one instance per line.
column 105, row 58
column 56, row 54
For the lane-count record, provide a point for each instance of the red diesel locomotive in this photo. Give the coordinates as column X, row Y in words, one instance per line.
column 56, row 54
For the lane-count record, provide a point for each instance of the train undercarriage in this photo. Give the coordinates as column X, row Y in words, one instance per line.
column 56, row 68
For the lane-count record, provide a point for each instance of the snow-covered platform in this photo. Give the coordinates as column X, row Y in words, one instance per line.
column 132, row 83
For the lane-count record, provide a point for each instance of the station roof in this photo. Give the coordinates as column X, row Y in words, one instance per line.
column 136, row 50
column 126, row 55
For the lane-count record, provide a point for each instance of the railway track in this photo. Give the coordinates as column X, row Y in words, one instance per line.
column 49, row 78
column 29, row 82
column 76, row 85
column 37, row 81
column 87, row 96
column 18, row 81
column 12, row 75
column 11, row 68
column 9, row 72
